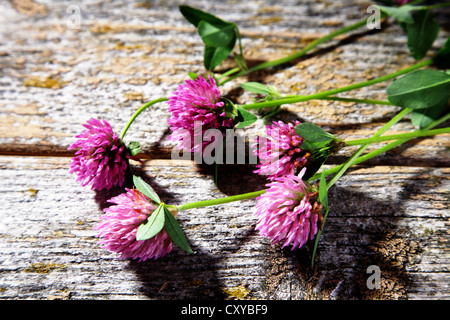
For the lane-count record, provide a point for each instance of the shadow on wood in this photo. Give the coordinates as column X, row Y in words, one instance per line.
column 360, row 231
column 180, row 276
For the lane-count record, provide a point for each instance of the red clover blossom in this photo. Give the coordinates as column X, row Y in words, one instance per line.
column 120, row 223
column 280, row 155
column 196, row 102
column 102, row 158
column 289, row 211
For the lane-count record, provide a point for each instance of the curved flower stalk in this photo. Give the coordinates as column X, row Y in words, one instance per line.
column 289, row 211
column 102, row 158
column 280, row 155
column 197, row 102
column 121, row 222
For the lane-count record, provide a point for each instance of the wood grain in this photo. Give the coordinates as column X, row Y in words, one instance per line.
column 392, row 212
column 399, row 222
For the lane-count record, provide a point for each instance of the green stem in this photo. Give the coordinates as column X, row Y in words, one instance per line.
column 437, row 122
column 367, row 101
column 332, row 92
column 394, row 144
column 214, row 202
column 409, row 135
column 309, row 47
column 229, row 72
column 352, row 159
column 355, row 100
column 145, row 106
column 241, row 51
column 255, row 194
column 379, row 151
column 300, row 53
column 438, row 6
column 343, row 168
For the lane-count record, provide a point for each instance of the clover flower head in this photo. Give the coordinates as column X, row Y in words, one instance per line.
column 193, row 103
column 280, row 155
column 102, row 158
column 120, row 223
column 289, row 211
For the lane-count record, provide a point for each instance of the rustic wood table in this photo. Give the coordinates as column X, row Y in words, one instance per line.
column 62, row 63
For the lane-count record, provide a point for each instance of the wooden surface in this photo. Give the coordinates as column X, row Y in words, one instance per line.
column 392, row 212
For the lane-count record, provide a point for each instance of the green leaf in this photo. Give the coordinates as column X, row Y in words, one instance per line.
column 193, row 75
column 316, row 141
column 323, row 191
column 245, row 118
column 214, row 36
column 318, row 159
column 421, row 33
column 230, row 108
column 256, row 87
column 146, row 189
column 442, row 58
column 315, row 137
column 175, row 232
column 423, row 117
column 240, row 61
column 401, row 14
column 323, row 197
column 134, row 147
column 194, row 16
column 420, row 89
column 219, row 36
column 311, row 145
column 213, row 56
column 313, row 133
column 153, row 225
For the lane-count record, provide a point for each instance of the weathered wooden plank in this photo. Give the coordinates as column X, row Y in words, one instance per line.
column 398, row 221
